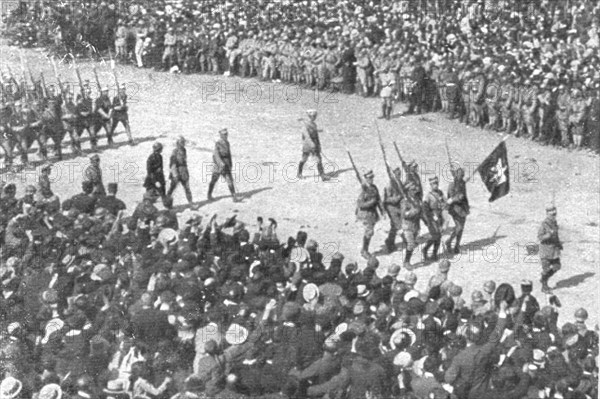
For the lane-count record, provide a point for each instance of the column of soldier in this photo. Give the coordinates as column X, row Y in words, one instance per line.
column 32, row 111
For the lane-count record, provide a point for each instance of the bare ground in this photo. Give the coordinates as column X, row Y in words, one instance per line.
column 265, row 136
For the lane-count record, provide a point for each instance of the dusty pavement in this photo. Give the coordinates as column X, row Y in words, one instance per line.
column 265, row 135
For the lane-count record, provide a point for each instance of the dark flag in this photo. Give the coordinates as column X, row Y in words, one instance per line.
column 494, row 172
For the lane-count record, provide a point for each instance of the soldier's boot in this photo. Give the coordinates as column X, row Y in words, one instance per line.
column 448, row 242
column 390, row 241
column 544, row 280
column 211, row 187
column 365, row 248
column 457, row 245
column 389, row 112
column 188, row 195
column 436, row 248
column 300, row 167
column 321, row 171
column 383, row 111
column 407, row 257
column 425, row 250
column 234, row 195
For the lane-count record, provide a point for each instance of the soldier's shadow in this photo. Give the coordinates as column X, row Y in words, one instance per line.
column 241, row 197
column 574, row 281
column 70, row 155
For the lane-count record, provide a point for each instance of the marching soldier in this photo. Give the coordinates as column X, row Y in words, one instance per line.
column 562, row 114
column 120, row 114
column 155, row 176
column 392, row 198
column 458, row 207
column 367, row 210
column 223, row 165
column 550, row 247
column 311, row 145
column 179, row 170
column 84, row 107
column 433, row 207
column 93, row 174
column 101, row 117
column 411, row 217
column 69, row 119
column 577, row 110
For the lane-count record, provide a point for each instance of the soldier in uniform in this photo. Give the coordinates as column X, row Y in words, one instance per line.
column 93, row 174
column 433, row 207
column 83, row 121
column 593, row 121
column 222, row 165
column 411, row 217
column 179, row 170
column 120, row 114
column 562, row 114
column 392, row 198
column 478, row 83
column 155, row 176
column 7, row 141
column 517, row 106
column 550, row 247
column 386, row 95
column 545, row 113
column 530, row 109
column 577, row 111
column 465, row 96
column 506, row 96
column 458, row 207
column 311, row 145
column 367, row 210
column 492, row 97
column 69, row 119
column 417, row 87
column 101, row 118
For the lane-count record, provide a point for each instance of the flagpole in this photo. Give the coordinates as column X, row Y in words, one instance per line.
column 481, row 163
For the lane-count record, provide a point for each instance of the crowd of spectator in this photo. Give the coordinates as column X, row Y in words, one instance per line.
column 101, row 301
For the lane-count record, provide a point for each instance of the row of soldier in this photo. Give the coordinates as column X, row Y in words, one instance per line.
column 36, row 113
column 542, row 107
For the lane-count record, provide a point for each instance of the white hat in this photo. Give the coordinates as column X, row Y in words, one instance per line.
column 397, row 335
column 236, row 334
column 10, row 388
column 51, row 391
column 403, row 360
column 310, row 292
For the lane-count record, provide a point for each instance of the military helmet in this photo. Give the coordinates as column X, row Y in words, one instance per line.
column 581, row 314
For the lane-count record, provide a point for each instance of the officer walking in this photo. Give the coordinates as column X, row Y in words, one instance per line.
column 311, row 145
column 550, row 247
column 222, row 164
column 367, row 210
column 179, row 170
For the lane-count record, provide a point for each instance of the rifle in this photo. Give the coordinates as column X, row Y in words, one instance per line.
column 404, row 164
column 97, row 80
column 112, row 67
column 24, row 77
column 83, row 93
column 449, row 157
column 398, row 186
column 60, row 85
column 44, row 91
